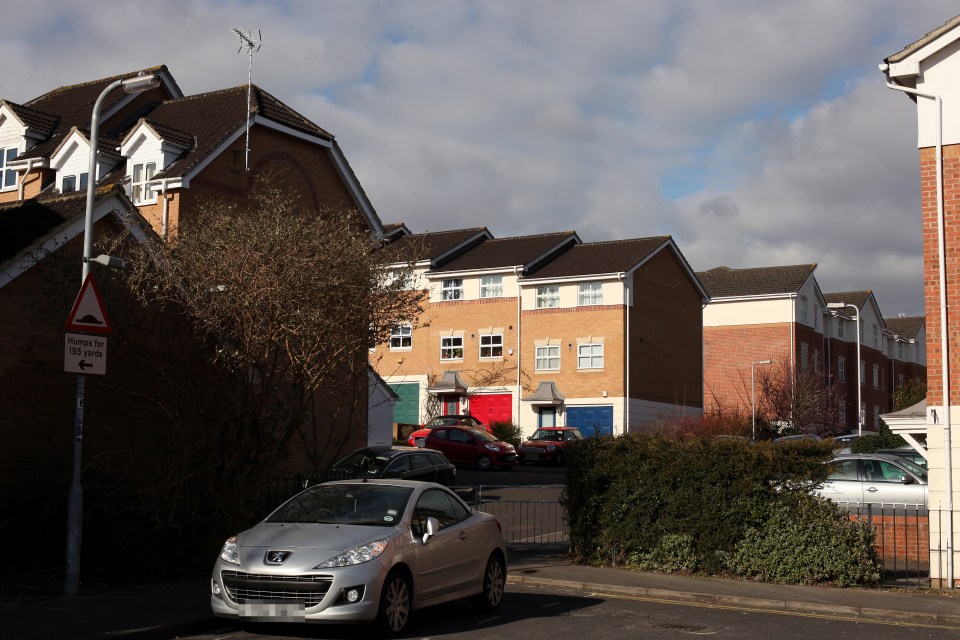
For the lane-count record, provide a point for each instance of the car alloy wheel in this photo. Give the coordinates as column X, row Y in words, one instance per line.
column 395, row 599
column 484, row 463
column 494, row 579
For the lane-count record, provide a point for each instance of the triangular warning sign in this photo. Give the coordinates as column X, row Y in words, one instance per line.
column 88, row 314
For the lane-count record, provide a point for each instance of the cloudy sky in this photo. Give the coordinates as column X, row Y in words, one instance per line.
column 755, row 132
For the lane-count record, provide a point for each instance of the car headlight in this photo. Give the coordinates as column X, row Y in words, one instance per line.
column 357, row 555
column 551, row 447
column 230, row 553
column 492, row 447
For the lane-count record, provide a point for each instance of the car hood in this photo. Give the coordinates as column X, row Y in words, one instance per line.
column 541, row 443
column 308, row 535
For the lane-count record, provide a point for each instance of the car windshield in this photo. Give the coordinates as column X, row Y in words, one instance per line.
column 483, row 436
column 915, row 469
column 452, row 421
column 352, row 504
column 363, row 461
column 556, row 435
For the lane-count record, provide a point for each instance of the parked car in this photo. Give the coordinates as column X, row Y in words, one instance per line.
column 842, row 442
column 446, row 421
column 874, row 478
column 907, row 452
column 547, row 444
column 796, row 437
column 361, row 551
column 463, row 445
column 406, row 463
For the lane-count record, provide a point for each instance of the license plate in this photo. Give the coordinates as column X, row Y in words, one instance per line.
column 531, row 456
column 273, row 610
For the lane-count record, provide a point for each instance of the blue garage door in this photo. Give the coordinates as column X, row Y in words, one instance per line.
column 592, row 421
column 407, row 409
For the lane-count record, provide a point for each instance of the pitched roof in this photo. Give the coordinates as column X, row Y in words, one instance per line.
column 724, row 282
column 213, row 117
column 858, row 298
column 946, row 27
column 520, row 251
column 590, row 258
column 40, row 121
column 905, row 326
column 22, row 223
column 433, row 245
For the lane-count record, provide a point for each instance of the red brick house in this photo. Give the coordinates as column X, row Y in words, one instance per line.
column 548, row 330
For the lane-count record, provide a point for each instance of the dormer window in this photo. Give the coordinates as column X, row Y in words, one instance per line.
column 69, row 183
column 140, row 190
column 8, row 177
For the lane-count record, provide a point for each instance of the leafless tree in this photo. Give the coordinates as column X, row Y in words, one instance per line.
column 798, row 400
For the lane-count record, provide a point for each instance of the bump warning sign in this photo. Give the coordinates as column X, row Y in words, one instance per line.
column 88, row 314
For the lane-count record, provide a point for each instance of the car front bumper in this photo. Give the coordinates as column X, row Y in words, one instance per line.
column 320, row 596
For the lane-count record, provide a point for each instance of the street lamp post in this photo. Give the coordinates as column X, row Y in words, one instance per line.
column 753, row 404
column 856, row 318
column 71, row 582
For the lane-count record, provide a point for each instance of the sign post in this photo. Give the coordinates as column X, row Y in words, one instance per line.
column 83, row 353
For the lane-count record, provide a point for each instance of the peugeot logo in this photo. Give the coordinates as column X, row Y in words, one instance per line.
column 277, row 557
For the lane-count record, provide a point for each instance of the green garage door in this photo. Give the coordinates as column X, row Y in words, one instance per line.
column 407, row 409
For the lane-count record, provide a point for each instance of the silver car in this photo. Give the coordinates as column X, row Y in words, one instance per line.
column 873, row 478
column 361, row 551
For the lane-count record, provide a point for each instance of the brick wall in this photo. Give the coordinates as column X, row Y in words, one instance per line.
column 729, row 353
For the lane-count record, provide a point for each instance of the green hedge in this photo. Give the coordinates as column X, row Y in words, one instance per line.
column 687, row 503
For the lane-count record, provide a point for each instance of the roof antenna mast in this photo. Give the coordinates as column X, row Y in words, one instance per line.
column 252, row 45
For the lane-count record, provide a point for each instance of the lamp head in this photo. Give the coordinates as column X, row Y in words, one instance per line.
column 140, row 83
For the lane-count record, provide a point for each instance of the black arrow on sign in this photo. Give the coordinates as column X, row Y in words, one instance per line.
column 85, row 365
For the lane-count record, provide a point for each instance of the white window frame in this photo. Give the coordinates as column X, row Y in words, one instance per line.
column 8, row 154
column 82, row 180
column 548, row 296
column 590, row 355
column 545, row 357
column 589, row 294
column 451, row 348
column 863, row 373
column 452, row 289
column 491, row 286
column 876, row 376
column 401, row 337
column 491, row 346
column 843, row 413
column 804, row 355
column 140, row 175
column 842, row 369
column 876, row 338
column 839, row 327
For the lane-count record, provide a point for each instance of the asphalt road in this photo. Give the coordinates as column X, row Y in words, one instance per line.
column 540, row 614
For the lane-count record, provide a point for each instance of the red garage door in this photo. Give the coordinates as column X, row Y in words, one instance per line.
column 497, row 407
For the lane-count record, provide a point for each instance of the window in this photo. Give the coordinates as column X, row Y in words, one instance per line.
column 589, row 356
column 863, row 372
column 401, row 337
column 589, row 293
column 8, row 177
column 900, row 379
column 816, row 316
column 804, row 353
column 876, row 339
column 876, row 377
column 900, row 350
column 548, row 358
column 876, row 417
column 548, row 297
column 70, row 183
column 453, row 289
column 548, row 417
column 437, row 504
column 451, row 348
column 843, row 413
column 839, row 327
column 491, row 346
column 491, row 286
column 803, row 309
column 406, row 276
column 842, row 369
column 140, row 190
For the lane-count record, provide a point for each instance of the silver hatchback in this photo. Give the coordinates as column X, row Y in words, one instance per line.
column 873, row 478
column 361, row 551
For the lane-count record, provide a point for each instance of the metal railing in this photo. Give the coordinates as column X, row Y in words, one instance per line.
column 901, row 538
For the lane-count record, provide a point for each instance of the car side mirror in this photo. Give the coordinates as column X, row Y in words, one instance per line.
column 433, row 525
column 906, row 479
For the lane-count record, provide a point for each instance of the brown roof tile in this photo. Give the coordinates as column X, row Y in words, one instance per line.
column 724, row 282
column 858, row 298
column 592, row 258
column 905, row 326
column 520, row 251
column 433, row 245
column 23, row 223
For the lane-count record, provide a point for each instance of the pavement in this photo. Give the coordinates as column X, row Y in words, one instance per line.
column 171, row 610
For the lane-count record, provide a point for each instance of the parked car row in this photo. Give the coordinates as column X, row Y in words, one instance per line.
column 875, row 478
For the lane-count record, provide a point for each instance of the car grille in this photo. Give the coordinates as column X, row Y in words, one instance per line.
column 254, row 587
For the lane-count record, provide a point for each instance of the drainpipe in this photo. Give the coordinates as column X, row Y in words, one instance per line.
column 166, row 208
column 516, row 273
column 944, row 342
column 20, row 187
column 626, row 379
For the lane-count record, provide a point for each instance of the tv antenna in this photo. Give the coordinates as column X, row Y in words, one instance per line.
column 252, row 45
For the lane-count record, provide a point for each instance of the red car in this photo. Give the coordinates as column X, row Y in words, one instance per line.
column 547, row 443
column 444, row 421
column 463, row 445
